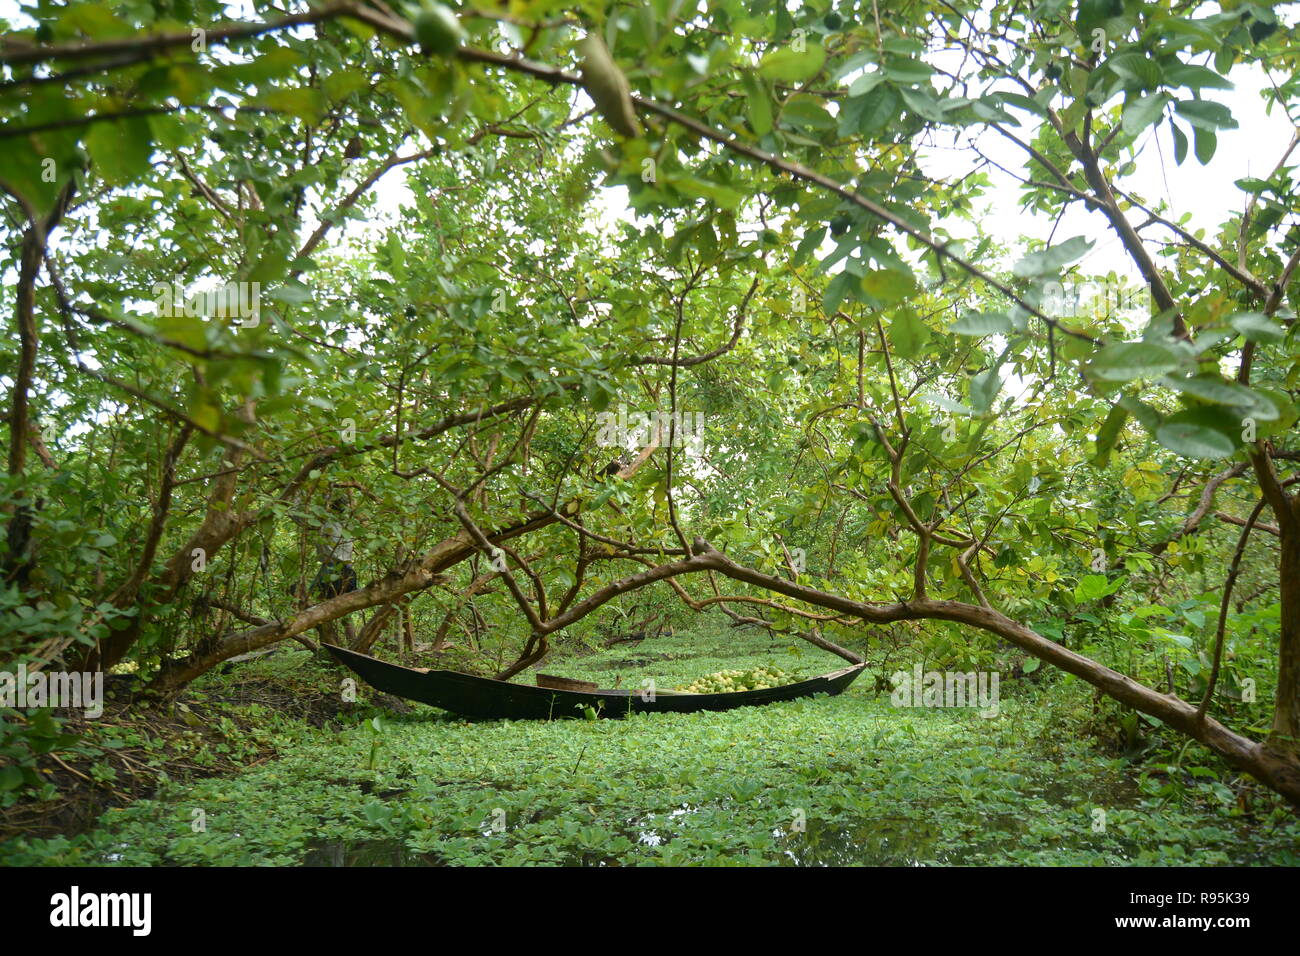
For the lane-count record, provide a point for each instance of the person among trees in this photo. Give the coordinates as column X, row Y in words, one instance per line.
column 336, row 574
column 334, row 547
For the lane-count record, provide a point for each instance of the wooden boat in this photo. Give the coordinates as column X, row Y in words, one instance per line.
column 485, row 697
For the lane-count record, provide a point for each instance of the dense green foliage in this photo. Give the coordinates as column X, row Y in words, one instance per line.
column 875, row 786
column 902, row 431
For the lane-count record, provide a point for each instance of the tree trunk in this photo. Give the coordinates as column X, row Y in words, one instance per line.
column 408, row 629
column 374, row 629
column 1285, row 735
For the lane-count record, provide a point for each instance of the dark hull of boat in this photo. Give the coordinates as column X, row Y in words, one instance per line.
column 487, row 698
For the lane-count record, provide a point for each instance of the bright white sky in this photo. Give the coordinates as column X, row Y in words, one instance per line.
column 1207, row 192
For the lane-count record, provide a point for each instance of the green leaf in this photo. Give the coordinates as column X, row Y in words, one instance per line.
column 1142, row 112
column 121, row 149
column 276, row 63
column 957, row 408
column 836, row 290
column 1108, row 435
column 854, row 63
column 907, row 332
column 340, row 84
column 758, row 104
column 1286, row 410
column 303, row 102
column 1022, row 102
column 1050, row 261
column 982, row 323
column 923, row 103
column 1212, row 388
column 870, row 113
column 1138, row 72
column 272, row 264
column 866, row 83
column 1202, row 114
column 1195, row 77
column 1200, row 433
column 1147, row 416
column 294, row 294
column 1257, row 327
column 1252, row 185
column 1204, row 144
column 989, row 110
column 1093, row 586
column 422, row 109
column 190, row 83
column 785, row 65
column 597, row 395
column 810, row 241
column 725, row 197
column 1125, row 361
column 21, row 169
column 1093, row 13
column 885, row 287
column 187, row 330
column 805, row 112
column 169, row 133
column 908, row 71
column 206, row 415
column 1180, row 142
column 984, row 388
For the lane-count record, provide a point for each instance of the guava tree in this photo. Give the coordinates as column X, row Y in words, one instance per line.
column 901, row 425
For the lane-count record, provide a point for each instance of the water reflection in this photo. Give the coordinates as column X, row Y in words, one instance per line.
column 365, row 853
